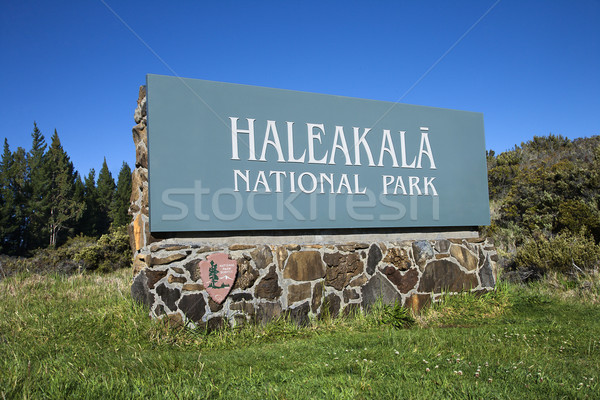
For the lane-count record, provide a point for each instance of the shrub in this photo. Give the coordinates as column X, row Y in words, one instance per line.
column 564, row 252
column 109, row 253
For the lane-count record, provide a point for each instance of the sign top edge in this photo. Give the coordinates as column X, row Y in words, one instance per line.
column 148, row 76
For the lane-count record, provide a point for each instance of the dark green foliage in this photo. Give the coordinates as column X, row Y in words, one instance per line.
column 109, row 253
column 43, row 200
column 566, row 252
column 543, row 194
column 37, row 207
column 105, row 191
column 13, row 192
column 120, row 202
column 65, row 211
column 89, row 223
column 77, row 254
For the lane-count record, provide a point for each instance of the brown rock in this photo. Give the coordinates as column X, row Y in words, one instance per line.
column 399, row 258
column 440, row 256
column 464, row 257
column 157, row 247
column 341, row 269
column 359, row 280
column 345, row 247
column 444, row 275
column 404, row 282
column 139, row 176
column 135, row 196
column 262, row 257
column 154, row 277
column 350, row 294
column 298, row 292
column 177, row 270
column 417, row 302
column 317, row 297
column 292, row 247
column 168, row 259
column 304, row 266
column 139, row 263
column 476, row 240
column 313, row 246
column 205, row 249
column 192, row 287
column 193, row 268
column 214, row 306
column 235, row 247
column 141, row 156
column 138, row 232
column 149, row 238
column 245, row 307
column 246, row 274
column 268, row 287
column 281, row 253
column 331, row 306
column 176, row 279
column 267, row 312
column 140, row 134
column 145, row 210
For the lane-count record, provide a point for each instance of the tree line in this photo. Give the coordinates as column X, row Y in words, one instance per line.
column 44, row 200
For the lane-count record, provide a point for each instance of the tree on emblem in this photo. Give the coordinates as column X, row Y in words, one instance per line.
column 212, row 273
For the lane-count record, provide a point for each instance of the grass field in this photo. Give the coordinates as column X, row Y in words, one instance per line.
column 83, row 337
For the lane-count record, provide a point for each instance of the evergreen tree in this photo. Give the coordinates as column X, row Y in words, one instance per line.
column 105, row 191
column 65, row 211
column 37, row 208
column 13, row 216
column 120, row 205
column 88, row 224
column 6, row 200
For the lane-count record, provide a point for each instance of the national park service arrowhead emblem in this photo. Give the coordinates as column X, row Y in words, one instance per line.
column 218, row 274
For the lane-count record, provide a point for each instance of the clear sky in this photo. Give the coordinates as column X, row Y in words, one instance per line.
column 531, row 67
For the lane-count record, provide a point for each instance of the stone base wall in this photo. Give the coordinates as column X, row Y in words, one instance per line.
column 301, row 281
column 307, row 281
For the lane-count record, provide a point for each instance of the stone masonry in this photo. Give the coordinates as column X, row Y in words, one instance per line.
column 297, row 280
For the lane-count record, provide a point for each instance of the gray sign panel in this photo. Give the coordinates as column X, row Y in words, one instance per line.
column 229, row 157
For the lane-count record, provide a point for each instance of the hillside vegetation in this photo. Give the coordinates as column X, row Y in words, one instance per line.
column 545, row 204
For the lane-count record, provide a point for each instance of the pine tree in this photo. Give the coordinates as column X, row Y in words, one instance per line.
column 105, row 191
column 65, row 211
column 120, row 204
column 88, row 225
column 13, row 216
column 37, row 208
column 6, row 201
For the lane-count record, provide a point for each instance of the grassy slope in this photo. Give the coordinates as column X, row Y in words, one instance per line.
column 83, row 337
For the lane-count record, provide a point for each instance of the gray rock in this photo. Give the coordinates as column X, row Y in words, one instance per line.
column 169, row 296
column 379, row 288
column 140, row 291
column 373, row 258
column 193, row 306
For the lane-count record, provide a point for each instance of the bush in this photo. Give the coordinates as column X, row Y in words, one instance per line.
column 109, row 253
column 563, row 253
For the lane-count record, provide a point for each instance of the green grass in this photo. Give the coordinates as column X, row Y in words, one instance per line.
column 83, row 337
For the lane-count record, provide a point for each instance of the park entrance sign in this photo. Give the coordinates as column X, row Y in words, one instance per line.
column 229, row 157
column 250, row 204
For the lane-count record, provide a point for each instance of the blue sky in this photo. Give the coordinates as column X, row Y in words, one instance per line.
column 531, row 67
